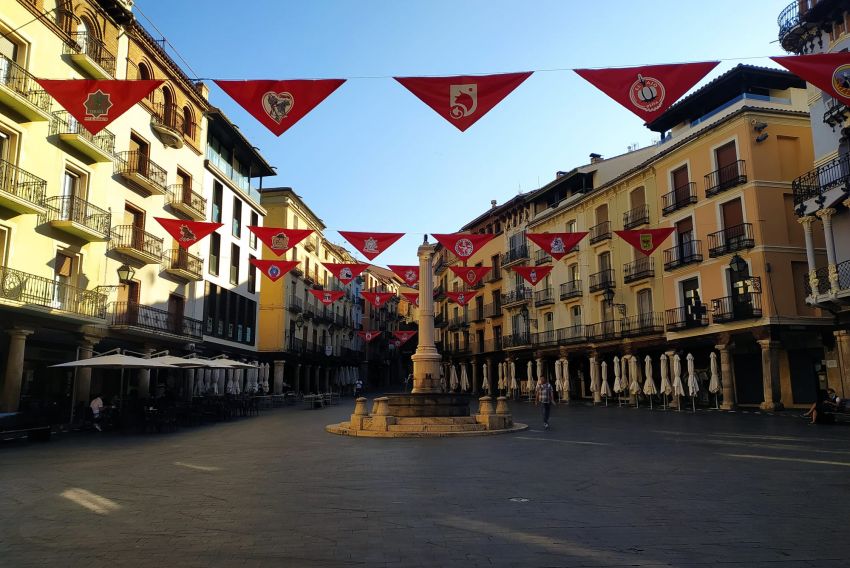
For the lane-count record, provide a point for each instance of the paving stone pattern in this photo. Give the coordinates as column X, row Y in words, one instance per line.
column 603, row 487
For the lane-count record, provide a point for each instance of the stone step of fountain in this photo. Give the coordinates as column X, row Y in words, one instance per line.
column 464, row 427
column 434, row 420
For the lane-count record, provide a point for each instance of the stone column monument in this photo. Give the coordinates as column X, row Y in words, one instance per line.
column 426, row 360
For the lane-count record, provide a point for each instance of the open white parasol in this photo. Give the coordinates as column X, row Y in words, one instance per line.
column 117, row 361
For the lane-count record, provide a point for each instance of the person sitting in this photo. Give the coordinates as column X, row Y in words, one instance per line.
column 826, row 403
column 96, row 408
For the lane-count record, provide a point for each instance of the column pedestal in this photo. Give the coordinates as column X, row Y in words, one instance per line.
column 770, row 374
column 726, row 381
column 14, row 375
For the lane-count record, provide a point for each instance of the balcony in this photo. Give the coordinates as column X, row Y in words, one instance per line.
column 600, row 232
column 544, row 297
column 828, row 182
column 77, row 217
column 725, row 178
column 495, row 274
column 493, row 310
column 137, row 168
column 642, row 324
column 542, row 257
column 636, row 217
column 571, row 335
column 731, row 239
column 457, row 322
column 20, row 191
column 136, row 243
column 172, row 125
column 602, row 331
column 571, row 289
column 679, row 198
column 20, row 92
column 640, row 269
column 689, row 252
column 515, row 255
column 440, row 321
column 794, row 29
column 90, row 55
column 439, row 292
column 134, row 317
column 181, row 198
column 686, row 317
column 22, row 290
column 836, row 113
column 516, row 297
column 602, row 280
column 295, row 305
column 545, row 339
column 477, row 315
column 178, row 262
column 513, row 341
column 734, row 308
column 99, row 147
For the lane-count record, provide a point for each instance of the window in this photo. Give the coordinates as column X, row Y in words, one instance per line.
column 644, row 301
column 218, row 191
column 604, row 260
column 188, row 122
column 571, row 226
column 252, row 278
column 573, row 274
column 237, row 217
column 215, row 253
column 4, row 245
column 575, row 313
column 497, row 268
column 63, row 274
column 252, row 239
column 550, row 322
column 601, row 214
column 234, row 265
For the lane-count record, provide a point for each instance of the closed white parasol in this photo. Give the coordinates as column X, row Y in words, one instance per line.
column 693, row 384
column 648, row 384
column 464, row 378
column 604, row 388
column 453, row 382
column 714, row 385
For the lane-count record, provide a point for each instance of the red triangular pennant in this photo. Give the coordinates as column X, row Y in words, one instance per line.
column 463, row 99
column 470, row 274
column 377, row 299
column 648, row 90
column 532, row 274
column 96, row 103
column 368, row 336
column 410, row 274
column 278, row 105
column 280, row 240
column 464, row 245
column 327, row 297
column 403, row 336
column 371, row 244
column 274, row 269
column 412, row 297
column 646, row 241
column 829, row 72
column 187, row 233
column 345, row 273
column 462, row 298
column 557, row 245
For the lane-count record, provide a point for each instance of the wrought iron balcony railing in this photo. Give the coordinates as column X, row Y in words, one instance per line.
column 571, row 334
column 835, row 173
column 688, row 252
column 725, row 178
column 793, row 31
column 600, row 232
column 571, row 289
column 516, row 296
column 731, row 239
column 679, row 198
column 493, row 310
column 173, row 117
column 602, row 331
column 642, row 324
column 636, row 217
column 138, row 163
column 179, row 258
column 544, row 297
column 85, row 43
column 602, row 280
column 542, row 257
column 517, row 254
column 545, row 338
column 295, row 304
column 30, row 289
column 135, row 238
column 148, row 318
column 182, row 197
column 520, row 339
column 63, row 123
column 18, row 80
column 77, row 210
column 686, row 317
column 641, row 268
column 495, row 274
column 738, row 307
column 21, row 184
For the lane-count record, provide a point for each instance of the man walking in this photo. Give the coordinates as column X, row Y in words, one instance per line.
column 545, row 397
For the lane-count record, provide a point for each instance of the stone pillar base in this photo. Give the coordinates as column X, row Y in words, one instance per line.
column 770, row 406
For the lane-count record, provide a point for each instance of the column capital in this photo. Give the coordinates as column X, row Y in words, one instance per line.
column 826, row 213
column 769, row 344
column 19, row 332
column 807, row 220
column 722, row 347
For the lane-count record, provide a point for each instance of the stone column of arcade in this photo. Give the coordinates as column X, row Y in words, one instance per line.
column 426, row 360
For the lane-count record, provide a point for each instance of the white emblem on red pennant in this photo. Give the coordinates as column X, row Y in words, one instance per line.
column 280, row 241
column 278, row 105
column 557, row 245
column 463, row 100
column 371, row 245
column 464, row 248
column 647, row 93
column 345, row 273
column 410, row 276
column 186, row 234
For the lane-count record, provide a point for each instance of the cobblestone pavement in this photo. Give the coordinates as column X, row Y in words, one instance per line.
column 603, row 487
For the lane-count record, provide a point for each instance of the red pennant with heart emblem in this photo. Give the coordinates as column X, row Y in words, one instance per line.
column 532, row 274
column 412, row 297
column 274, row 269
column 280, row 240
column 327, row 297
column 377, row 299
column 470, row 274
column 368, row 336
column 410, row 274
column 646, row 241
column 648, row 90
column 829, row 72
column 187, row 233
column 463, row 99
column 461, row 298
column 464, row 245
column 345, row 273
column 557, row 245
column 370, row 244
column 403, row 336
column 96, row 103
column 278, row 105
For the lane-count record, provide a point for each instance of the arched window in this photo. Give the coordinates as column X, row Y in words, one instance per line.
column 188, row 122
column 168, row 114
column 145, row 72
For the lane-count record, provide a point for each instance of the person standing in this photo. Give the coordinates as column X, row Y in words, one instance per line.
column 545, row 397
column 96, row 407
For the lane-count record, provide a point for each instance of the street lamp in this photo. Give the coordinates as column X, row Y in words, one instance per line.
column 125, row 274
column 608, row 297
column 299, row 321
column 737, row 264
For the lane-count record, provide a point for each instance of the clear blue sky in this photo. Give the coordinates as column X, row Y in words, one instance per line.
column 374, row 157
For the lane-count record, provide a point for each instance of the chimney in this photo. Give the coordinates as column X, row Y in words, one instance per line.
column 492, row 204
column 595, row 158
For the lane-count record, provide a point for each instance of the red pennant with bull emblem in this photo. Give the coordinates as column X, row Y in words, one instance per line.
column 646, row 241
column 532, row 274
column 471, row 275
column 327, row 297
column 410, row 274
column 412, row 297
column 648, row 90
column 557, row 245
column 96, row 103
column 187, row 233
column 464, row 245
column 280, row 240
column 278, row 105
column 370, row 244
column 463, row 99
column 403, row 336
column 377, row 299
column 368, row 336
column 274, row 269
column 829, row 72
column 345, row 273
column 461, row 298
